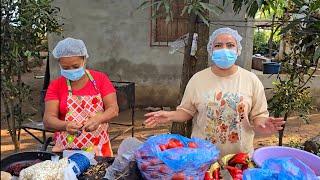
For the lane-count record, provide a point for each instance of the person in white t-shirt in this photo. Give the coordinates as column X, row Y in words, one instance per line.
column 226, row 102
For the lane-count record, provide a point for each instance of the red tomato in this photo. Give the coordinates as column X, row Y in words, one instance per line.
column 163, row 169
column 189, row 178
column 163, row 147
column 144, row 166
column 178, row 176
column 172, row 144
column 179, row 144
column 154, row 161
column 192, row 145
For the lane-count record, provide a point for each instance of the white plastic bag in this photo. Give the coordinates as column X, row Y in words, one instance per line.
column 126, row 152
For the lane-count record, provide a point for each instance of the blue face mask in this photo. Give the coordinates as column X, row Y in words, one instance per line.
column 224, row 58
column 73, row 74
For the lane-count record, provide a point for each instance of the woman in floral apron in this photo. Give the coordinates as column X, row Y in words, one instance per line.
column 226, row 102
column 79, row 103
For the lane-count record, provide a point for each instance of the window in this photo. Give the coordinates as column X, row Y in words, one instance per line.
column 162, row 33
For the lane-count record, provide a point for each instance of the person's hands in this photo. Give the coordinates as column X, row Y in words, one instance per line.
column 155, row 118
column 73, row 127
column 269, row 125
column 92, row 123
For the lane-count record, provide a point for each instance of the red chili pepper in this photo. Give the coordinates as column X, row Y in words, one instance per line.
column 216, row 174
column 234, row 172
column 207, row 176
column 240, row 158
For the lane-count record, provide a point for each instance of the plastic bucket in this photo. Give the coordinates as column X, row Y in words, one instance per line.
column 309, row 159
column 271, row 68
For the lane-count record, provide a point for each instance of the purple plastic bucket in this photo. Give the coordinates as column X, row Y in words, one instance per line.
column 264, row 153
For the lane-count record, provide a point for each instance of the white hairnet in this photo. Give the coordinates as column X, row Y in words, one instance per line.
column 70, row 47
column 232, row 32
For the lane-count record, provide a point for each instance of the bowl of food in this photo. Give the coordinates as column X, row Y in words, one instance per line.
column 309, row 159
column 14, row 163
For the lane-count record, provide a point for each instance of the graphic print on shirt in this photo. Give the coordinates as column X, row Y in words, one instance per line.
column 224, row 112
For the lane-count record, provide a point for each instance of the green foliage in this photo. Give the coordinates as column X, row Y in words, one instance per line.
column 195, row 7
column 24, row 27
column 303, row 35
column 252, row 6
column 260, row 42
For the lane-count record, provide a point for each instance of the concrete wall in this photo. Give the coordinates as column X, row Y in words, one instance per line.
column 117, row 38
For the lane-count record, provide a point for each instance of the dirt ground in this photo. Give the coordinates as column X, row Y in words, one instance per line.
column 296, row 131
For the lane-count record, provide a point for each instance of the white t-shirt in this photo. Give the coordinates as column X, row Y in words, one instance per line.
column 223, row 108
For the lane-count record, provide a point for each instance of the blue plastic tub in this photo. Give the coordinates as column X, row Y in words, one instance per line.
column 271, row 68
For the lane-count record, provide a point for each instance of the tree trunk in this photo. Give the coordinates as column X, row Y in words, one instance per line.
column 271, row 36
column 281, row 131
column 191, row 65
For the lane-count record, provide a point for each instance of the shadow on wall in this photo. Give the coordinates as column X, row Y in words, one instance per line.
column 125, row 70
column 155, row 85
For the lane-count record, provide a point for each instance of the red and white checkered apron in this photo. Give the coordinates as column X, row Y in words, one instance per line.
column 79, row 108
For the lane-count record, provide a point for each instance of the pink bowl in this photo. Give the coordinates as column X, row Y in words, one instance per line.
column 264, row 153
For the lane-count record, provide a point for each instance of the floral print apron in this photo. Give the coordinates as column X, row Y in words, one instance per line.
column 79, row 108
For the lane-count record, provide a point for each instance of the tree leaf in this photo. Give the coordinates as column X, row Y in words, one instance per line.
column 184, row 10
column 204, row 19
column 212, row 8
column 190, row 7
column 298, row 2
column 143, row 4
column 316, row 55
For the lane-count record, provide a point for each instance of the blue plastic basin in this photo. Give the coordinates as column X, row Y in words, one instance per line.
column 271, row 68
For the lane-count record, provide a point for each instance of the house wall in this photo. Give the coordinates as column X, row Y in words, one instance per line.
column 117, row 38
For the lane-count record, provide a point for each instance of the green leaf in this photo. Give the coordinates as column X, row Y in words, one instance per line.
column 316, row 55
column 204, row 19
column 190, row 7
column 315, row 5
column 143, row 4
column 184, row 10
column 147, row 4
column 167, row 7
column 298, row 2
column 212, row 8
column 290, row 26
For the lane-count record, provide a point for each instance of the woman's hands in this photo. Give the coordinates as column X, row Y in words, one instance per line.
column 93, row 122
column 155, row 118
column 161, row 117
column 73, row 127
column 268, row 125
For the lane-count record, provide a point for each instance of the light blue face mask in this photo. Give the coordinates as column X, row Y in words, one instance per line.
column 224, row 58
column 73, row 74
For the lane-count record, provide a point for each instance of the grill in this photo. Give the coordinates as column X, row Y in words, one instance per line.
column 125, row 94
column 126, row 100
